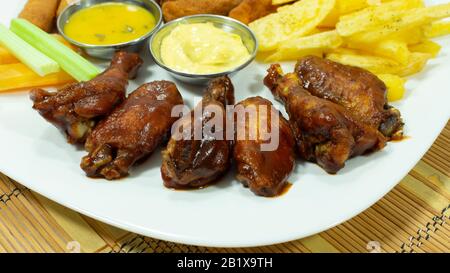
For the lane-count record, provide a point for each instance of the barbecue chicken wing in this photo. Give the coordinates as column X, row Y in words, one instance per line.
column 76, row 108
column 193, row 162
column 132, row 131
column 264, row 170
column 356, row 89
column 326, row 132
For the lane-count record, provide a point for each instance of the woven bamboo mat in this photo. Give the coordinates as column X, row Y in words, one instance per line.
column 414, row 217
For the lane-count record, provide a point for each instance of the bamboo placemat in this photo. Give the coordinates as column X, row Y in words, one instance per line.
column 413, row 217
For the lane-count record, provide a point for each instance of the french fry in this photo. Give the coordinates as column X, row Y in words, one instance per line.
column 380, row 65
column 392, row 49
column 348, row 6
column 439, row 11
column 427, row 46
column 19, row 76
column 417, row 63
column 410, row 36
column 395, row 86
column 438, row 28
column 344, row 7
column 390, row 38
column 413, row 18
column 291, row 21
column 375, row 64
column 374, row 16
column 313, row 44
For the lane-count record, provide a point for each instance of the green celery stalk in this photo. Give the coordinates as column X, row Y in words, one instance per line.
column 28, row 55
column 71, row 62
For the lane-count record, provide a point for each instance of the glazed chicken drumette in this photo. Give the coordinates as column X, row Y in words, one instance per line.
column 265, row 160
column 193, row 158
column 132, row 131
column 326, row 132
column 76, row 108
column 354, row 88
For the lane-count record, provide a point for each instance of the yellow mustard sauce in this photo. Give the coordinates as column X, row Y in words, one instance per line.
column 109, row 23
column 202, row 48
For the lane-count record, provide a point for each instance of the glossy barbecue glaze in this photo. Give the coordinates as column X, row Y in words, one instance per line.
column 356, row 89
column 76, row 108
column 326, row 132
column 265, row 172
column 194, row 163
column 132, row 131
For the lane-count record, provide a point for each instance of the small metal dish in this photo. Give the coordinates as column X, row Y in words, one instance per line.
column 226, row 23
column 107, row 51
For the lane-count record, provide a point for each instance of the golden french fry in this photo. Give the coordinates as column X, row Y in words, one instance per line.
column 417, row 63
column 427, row 46
column 387, row 37
column 380, row 65
column 374, row 16
column 291, row 21
column 395, row 86
column 439, row 11
column 348, row 6
column 438, row 28
column 375, row 64
column 342, row 7
column 309, row 45
column 409, row 36
column 413, row 18
column 392, row 49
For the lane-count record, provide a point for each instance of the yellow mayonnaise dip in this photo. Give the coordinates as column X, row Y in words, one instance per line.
column 109, row 23
column 202, row 48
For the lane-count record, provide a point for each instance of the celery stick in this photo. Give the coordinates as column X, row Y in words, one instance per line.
column 75, row 65
column 28, row 55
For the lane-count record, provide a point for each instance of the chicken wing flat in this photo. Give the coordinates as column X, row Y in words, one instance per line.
column 179, row 8
column 326, row 132
column 76, row 108
column 264, row 171
column 190, row 162
column 356, row 89
column 132, row 131
column 251, row 10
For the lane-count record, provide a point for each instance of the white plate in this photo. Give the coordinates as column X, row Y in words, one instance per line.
column 224, row 215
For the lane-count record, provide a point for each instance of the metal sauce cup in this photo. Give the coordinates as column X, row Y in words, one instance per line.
column 107, row 51
column 226, row 23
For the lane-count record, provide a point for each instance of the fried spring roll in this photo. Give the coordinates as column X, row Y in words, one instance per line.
column 41, row 13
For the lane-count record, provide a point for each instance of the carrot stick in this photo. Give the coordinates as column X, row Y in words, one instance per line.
column 19, row 76
column 41, row 13
column 6, row 57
